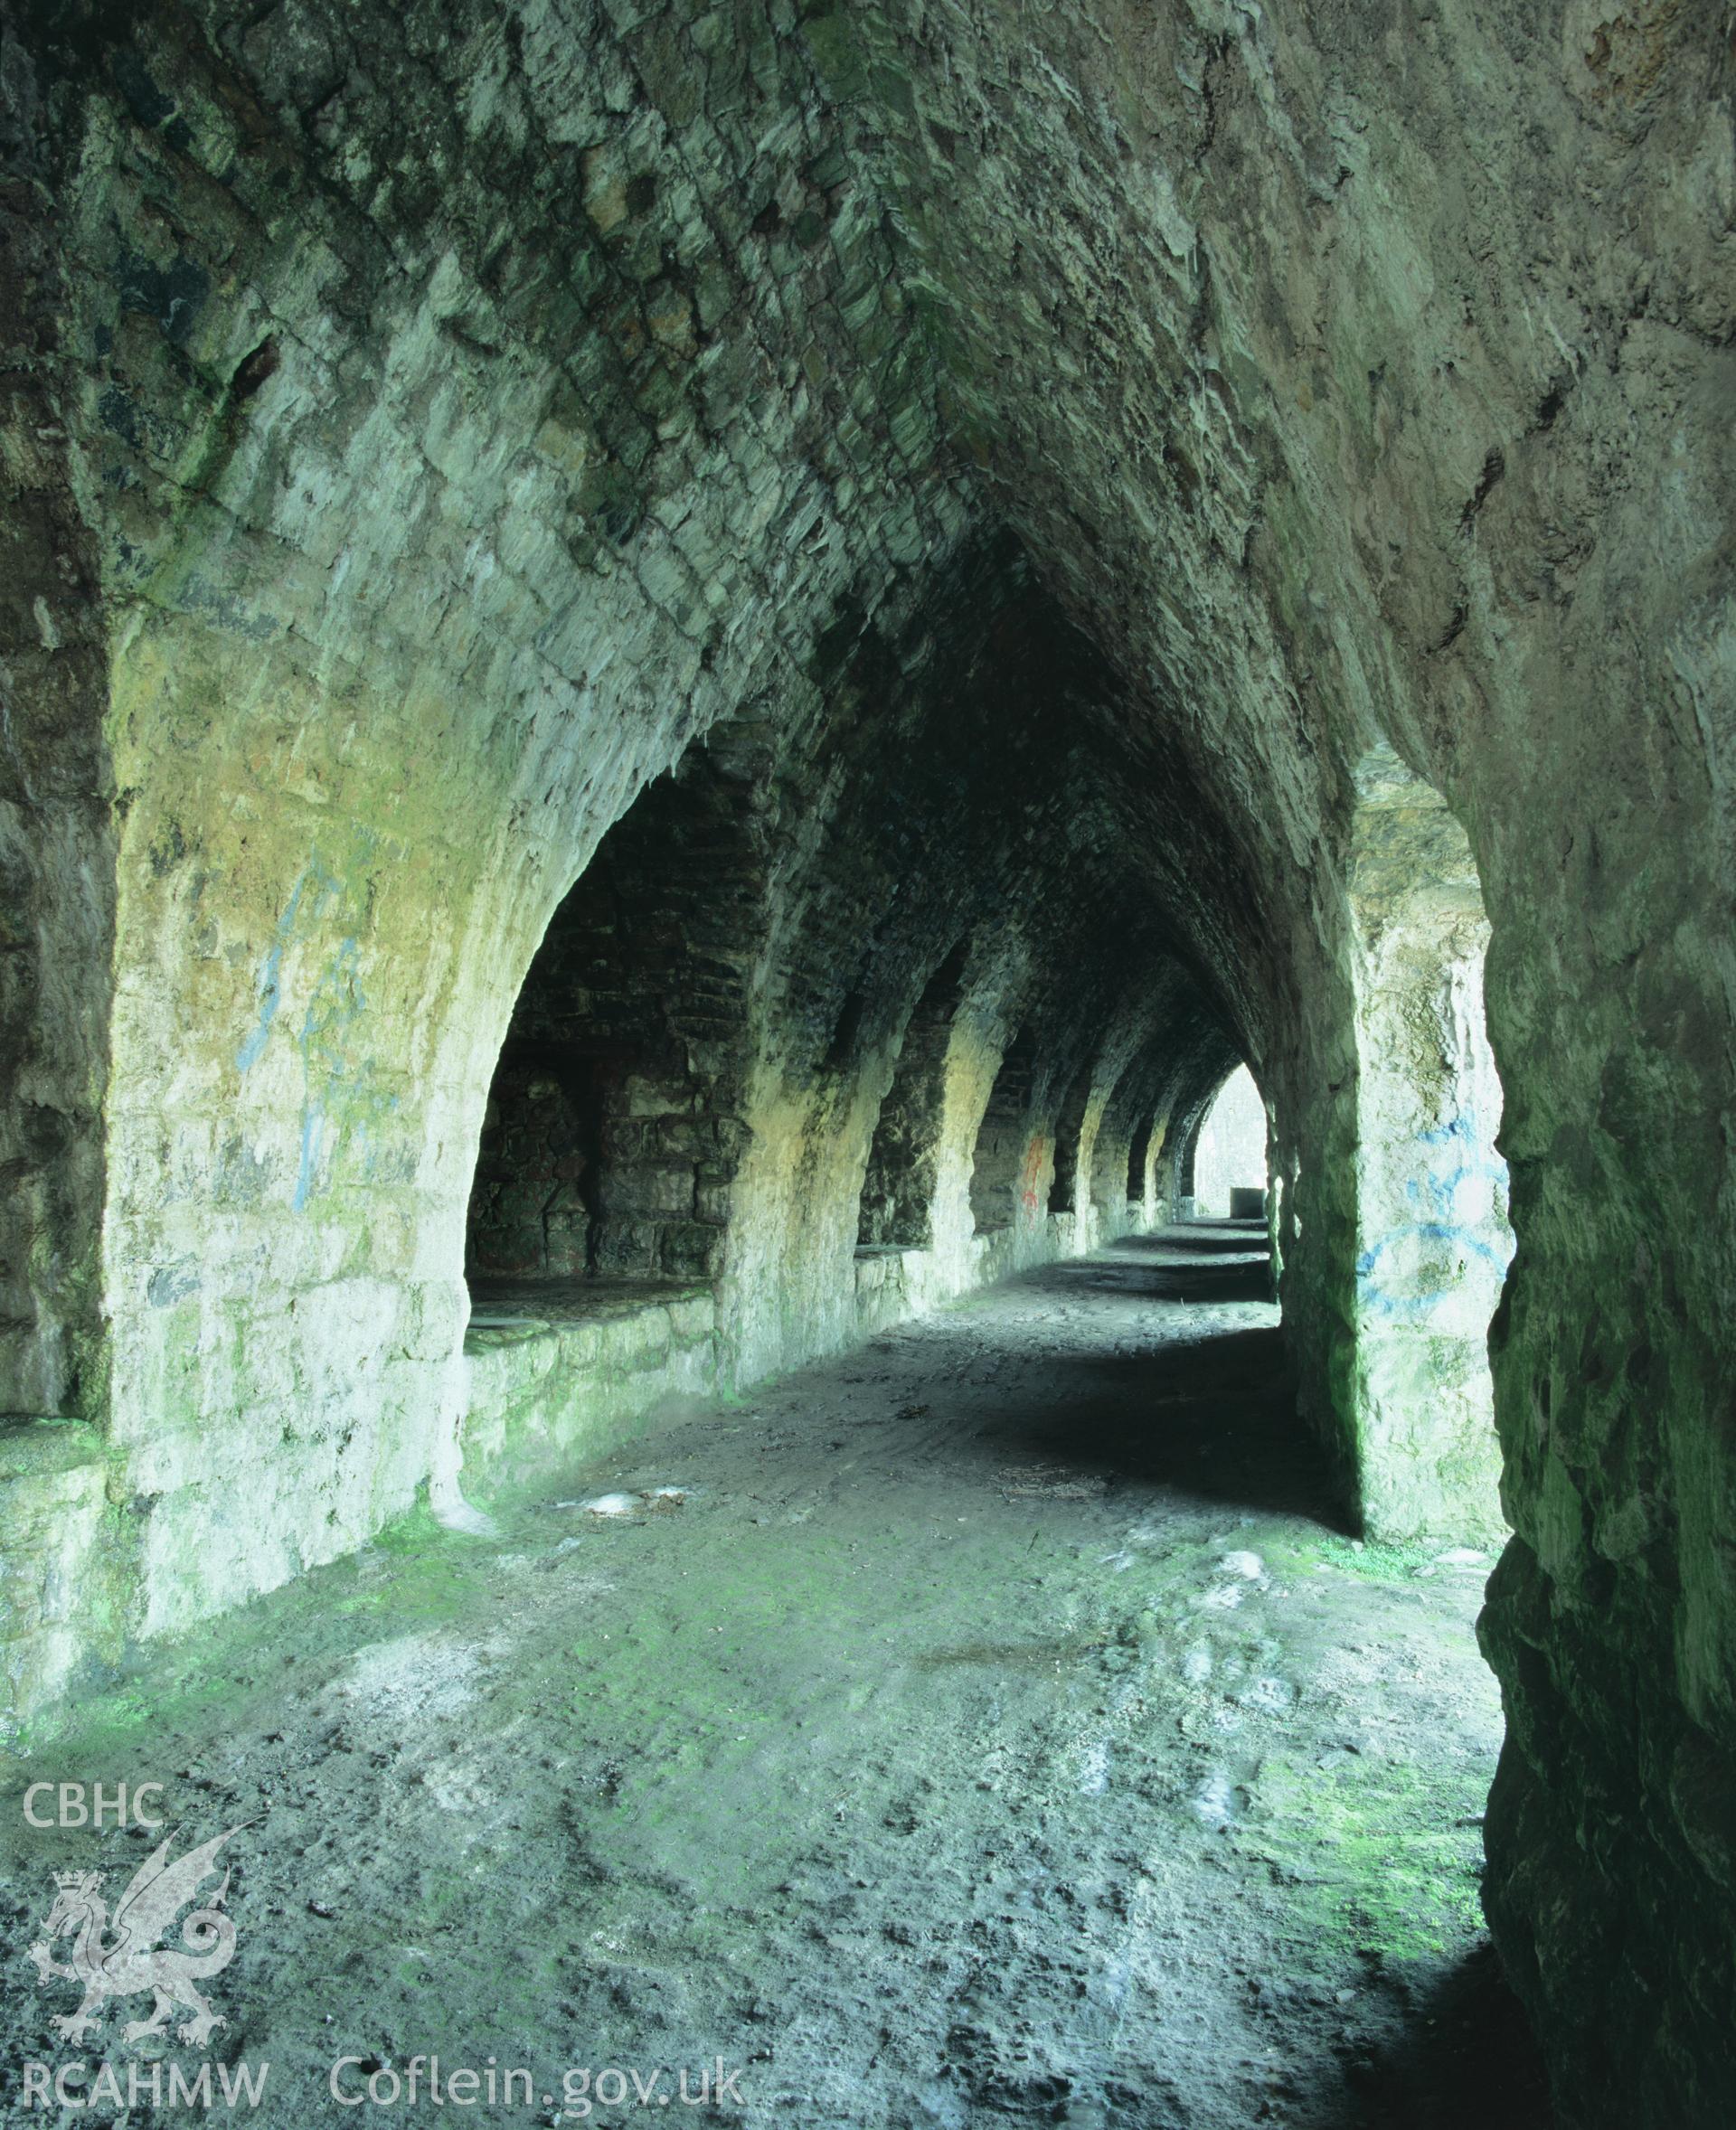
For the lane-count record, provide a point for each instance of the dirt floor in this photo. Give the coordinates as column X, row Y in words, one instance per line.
column 992, row 1731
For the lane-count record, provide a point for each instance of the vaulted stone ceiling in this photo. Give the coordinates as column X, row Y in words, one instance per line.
column 1048, row 450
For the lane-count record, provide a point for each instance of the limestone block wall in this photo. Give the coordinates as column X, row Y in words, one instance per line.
column 613, row 1125
column 1003, row 1177
column 423, row 539
column 57, row 897
column 542, row 1396
column 1069, row 1122
column 898, row 1189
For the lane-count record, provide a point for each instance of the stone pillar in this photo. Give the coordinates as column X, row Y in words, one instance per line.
column 1433, row 1241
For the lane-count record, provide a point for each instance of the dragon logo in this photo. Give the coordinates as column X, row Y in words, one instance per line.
column 123, row 1958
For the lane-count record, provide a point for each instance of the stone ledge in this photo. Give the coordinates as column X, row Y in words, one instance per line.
column 33, row 1447
column 546, row 1391
column 53, row 1507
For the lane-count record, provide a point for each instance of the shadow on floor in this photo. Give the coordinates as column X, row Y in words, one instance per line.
column 1231, row 1279
column 1155, row 1269
column 1214, row 1416
column 1459, row 2053
column 1210, row 1413
column 1215, row 1239
column 1215, row 1419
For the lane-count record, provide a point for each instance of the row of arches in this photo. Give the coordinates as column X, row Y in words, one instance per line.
column 613, row 1123
column 671, row 1023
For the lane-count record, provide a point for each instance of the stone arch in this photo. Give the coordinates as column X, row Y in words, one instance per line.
column 997, row 1171
column 612, row 1125
column 1227, row 1148
column 897, row 1206
column 1139, row 1164
column 1188, row 1157
column 1070, row 1125
column 1433, row 1241
column 1111, row 1152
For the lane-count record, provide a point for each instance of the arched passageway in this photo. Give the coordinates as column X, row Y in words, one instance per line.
column 1228, row 1155
column 562, row 561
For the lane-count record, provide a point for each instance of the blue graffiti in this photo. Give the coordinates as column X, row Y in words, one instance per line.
column 310, row 1123
column 1463, row 1239
column 1434, row 1197
column 270, row 999
column 1465, row 1243
column 270, row 979
column 338, row 1000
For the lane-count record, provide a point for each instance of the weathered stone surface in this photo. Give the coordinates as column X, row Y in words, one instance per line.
column 1431, row 1190
column 62, row 1601
column 544, row 1395
column 1041, row 456
column 57, row 887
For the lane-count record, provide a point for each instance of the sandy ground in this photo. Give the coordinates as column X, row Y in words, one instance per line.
column 994, row 1731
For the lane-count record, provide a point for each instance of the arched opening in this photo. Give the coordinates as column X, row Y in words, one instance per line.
column 998, row 1163
column 1433, row 1241
column 846, row 1033
column 611, row 1129
column 1139, row 1164
column 1069, row 1126
column 897, row 1209
column 1111, row 1161
column 1228, row 1175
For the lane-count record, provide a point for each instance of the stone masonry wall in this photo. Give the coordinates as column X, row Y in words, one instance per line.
column 431, row 518
column 1069, row 440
